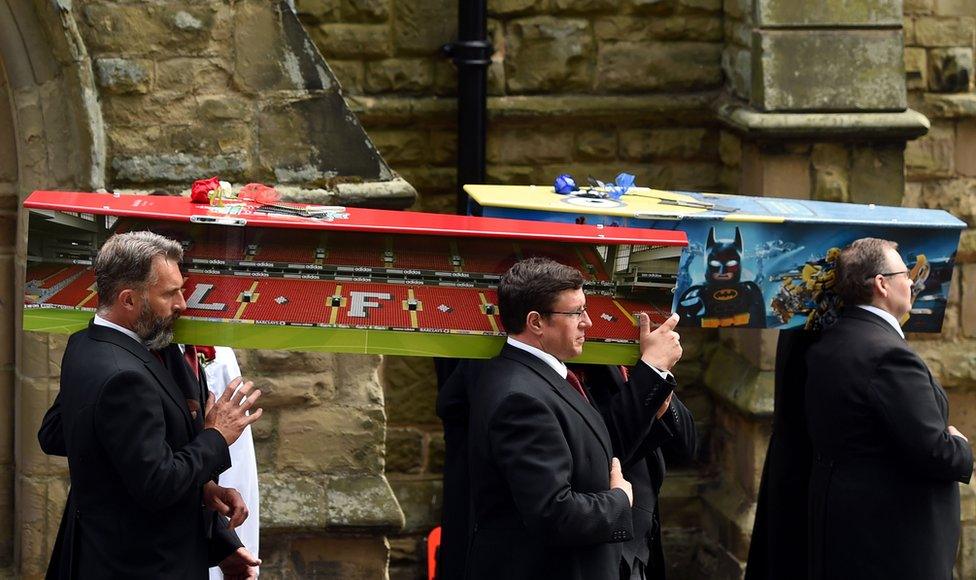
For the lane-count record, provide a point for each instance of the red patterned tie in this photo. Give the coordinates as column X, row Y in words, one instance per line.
column 625, row 372
column 190, row 354
column 574, row 382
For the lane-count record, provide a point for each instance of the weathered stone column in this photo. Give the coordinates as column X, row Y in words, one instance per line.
column 816, row 109
column 325, row 501
column 8, row 202
column 50, row 137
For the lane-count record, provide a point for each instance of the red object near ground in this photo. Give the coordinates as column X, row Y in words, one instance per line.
column 433, row 544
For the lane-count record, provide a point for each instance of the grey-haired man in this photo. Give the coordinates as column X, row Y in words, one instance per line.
column 142, row 463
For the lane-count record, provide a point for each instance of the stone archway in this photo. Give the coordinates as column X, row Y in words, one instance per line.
column 50, row 136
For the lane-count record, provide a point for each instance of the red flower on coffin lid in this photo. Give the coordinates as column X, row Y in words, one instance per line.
column 258, row 193
column 200, row 192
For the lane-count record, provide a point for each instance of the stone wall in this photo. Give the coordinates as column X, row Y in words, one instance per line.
column 192, row 89
column 152, row 95
column 8, row 176
column 414, row 459
column 320, row 453
column 594, row 87
column 941, row 173
column 47, row 139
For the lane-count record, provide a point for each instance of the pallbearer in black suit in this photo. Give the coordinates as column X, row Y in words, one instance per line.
column 142, row 463
column 646, row 421
column 548, row 496
column 884, row 490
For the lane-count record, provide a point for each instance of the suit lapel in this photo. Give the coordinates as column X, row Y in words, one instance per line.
column 162, row 376
column 566, row 392
column 172, row 389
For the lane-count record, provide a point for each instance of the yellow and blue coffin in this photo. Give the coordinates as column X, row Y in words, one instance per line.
column 754, row 262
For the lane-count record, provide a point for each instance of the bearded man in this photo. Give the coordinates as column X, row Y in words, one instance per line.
column 142, row 453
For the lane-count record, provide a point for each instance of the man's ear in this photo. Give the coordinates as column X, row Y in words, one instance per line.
column 879, row 287
column 127, row 299
column 533, row 322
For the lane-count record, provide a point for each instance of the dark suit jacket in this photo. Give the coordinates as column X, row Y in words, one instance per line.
column 641, row 441
column 138, row 463
column 637, row 437
column 779, row 536
column 455, row 379
column 540, row 481
column 884, row 491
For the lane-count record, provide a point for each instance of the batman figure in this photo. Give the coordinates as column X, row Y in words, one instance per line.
column 724, row 299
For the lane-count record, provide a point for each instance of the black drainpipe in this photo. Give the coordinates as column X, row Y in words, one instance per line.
column 471, row 54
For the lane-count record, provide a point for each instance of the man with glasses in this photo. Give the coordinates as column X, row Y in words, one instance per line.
column 884, row 489
column 547, row 493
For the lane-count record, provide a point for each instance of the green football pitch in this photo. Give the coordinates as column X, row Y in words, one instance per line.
column 327, row 339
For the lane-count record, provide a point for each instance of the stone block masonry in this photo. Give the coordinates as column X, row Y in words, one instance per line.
column 609, row 55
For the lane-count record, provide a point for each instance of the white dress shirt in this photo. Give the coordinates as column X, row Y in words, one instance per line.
column 556, row 364
column 99, row 321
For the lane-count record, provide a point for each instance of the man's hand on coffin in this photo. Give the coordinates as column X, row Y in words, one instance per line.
column 661, row 347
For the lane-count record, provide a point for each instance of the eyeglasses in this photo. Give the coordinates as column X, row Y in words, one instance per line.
column 888, row 274
column 575, row 313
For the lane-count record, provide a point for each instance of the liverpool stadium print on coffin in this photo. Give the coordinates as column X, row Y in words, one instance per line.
column 754, row 262
column 296, row 277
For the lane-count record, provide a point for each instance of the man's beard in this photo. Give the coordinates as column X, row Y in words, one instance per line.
column 155, row 331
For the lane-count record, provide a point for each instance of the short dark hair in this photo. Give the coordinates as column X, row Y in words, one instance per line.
column 857, row 266
column 125, row 261
column 533, row 284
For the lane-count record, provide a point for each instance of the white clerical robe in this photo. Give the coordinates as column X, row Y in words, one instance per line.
column 243, row 473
